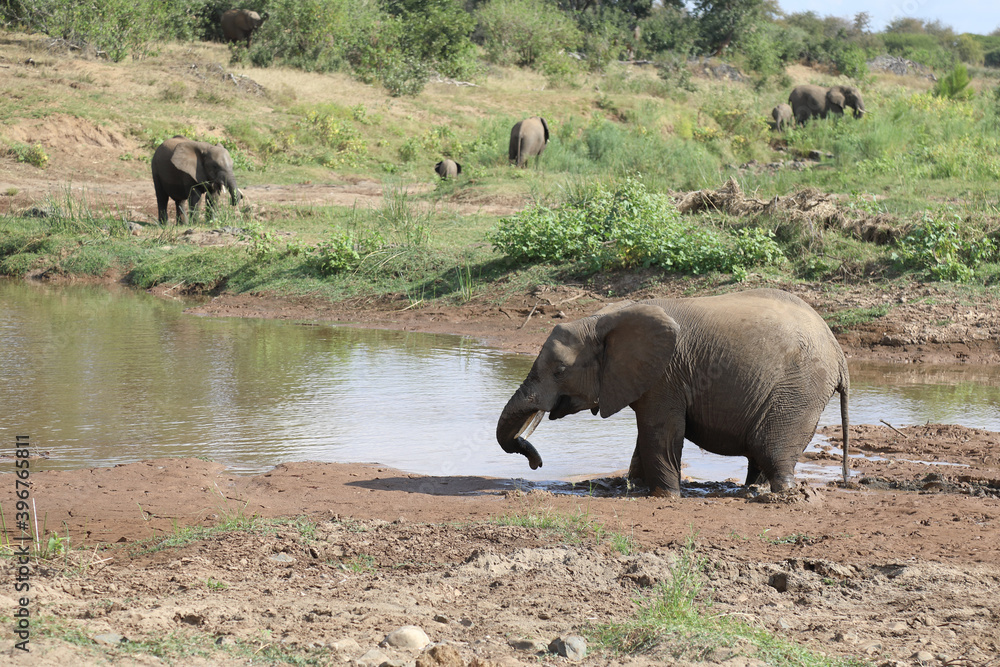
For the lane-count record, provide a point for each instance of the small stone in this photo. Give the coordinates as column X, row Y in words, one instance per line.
column 573, row 647
column 440, row 655
column 374, row 658
column 466, row 623
column 282, row 558
column 441, row 618
column 346, row 646
column 923, row 657
column 109, row 639
column 530, row 645
column 783, row 624
column 408, row 636
column 898, row 626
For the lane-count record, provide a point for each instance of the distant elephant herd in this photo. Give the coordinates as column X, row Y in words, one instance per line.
column 184, row 170
column 808, row 101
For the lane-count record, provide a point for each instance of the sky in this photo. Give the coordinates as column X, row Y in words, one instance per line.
column 976, row 16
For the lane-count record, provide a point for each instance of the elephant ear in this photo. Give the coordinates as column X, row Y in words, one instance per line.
column 639, row 341
column 545, row 126
column 835, row 98
column 458, row 168
column 186, row 159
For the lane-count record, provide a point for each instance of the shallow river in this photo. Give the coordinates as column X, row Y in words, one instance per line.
column 98, row 377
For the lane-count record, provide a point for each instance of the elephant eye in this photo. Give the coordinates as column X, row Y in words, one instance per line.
column 560, row 369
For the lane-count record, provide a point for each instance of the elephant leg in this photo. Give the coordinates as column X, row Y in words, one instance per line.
column 659, row 445
column 635, row 470
column 162, row 201
column 754, row 474
column 180, row 208
column 194, row 199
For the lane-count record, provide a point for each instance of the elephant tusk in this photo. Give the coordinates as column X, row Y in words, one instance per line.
column 529, row 426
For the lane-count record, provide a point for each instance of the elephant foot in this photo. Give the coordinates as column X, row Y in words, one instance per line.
column 660, row 492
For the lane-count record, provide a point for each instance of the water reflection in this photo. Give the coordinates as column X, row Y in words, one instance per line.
column 99, row 377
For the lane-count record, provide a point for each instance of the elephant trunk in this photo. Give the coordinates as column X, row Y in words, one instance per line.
column 234, row 192
column 519, row 417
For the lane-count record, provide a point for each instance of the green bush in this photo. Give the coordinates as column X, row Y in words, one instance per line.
column 336, row 255
column 851, row 62
column 937, row 246
column 520, row 32
column 437, row 33
column 623, row 226
column 311, row 35
column 955, row 85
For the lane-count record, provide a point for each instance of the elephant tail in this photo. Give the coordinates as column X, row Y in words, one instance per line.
column 843, row 388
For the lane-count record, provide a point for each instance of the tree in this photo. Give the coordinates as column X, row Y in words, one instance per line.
column 722, row 21
column 969, row 49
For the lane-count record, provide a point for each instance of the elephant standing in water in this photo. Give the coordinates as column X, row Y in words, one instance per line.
column 184, row 169
column 527, row 139
column 810, row 101
column 241, row 24
column 742, row 374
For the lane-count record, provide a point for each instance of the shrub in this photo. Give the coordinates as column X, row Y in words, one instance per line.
column 335, row 255
column 851, row 62
column 623, row 226
column 311, row 35
column 437, row 32
column 32, row 154
column 520, row 32
column 955, row 85
column 937, row 246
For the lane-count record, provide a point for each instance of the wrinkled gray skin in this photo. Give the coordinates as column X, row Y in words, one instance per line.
column 782, row 115
column 448, row 169
column 183, row 170
column 743, row 374
column 528, row 139
column 240, row 24
column 810, row 101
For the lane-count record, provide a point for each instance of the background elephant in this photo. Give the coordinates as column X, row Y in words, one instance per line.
column 838, row 97
column 782, row 115
column 743, row 374
column 528, row 138
column 448, row 169
column 240, row 24
column 184, row 169
column 810, row 101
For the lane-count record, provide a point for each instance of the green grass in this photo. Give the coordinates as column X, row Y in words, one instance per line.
column 912, row 158
column 845, row 320
column 570, row 528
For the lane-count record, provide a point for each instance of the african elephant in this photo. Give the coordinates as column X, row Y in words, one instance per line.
column 448, row 169
column 528, row 138
column 240, row 24
column 184, row 169
column 808, row 101
column 838, row 97
column 782, row 115
column 742, row 374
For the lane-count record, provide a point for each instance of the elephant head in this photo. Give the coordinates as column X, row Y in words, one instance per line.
column 448, row 169
column 210, row 166
column 241, row 24
column 601, row 363
column 838, row 97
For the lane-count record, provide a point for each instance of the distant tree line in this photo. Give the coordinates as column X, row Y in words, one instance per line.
column 398, row 43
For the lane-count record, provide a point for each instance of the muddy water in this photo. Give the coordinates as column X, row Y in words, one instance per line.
column 98, row 377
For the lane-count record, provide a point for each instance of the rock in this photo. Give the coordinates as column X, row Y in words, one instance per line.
column 923, row 657
column 530, row 645
column 346, row 646
column 408, row 636
column 898, row 627
column 440, row 655
column 374, row 658
column 109, row 639
column 573, row 647
column 282, row 558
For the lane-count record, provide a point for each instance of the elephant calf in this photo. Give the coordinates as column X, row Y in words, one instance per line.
column 183, row 170
column 782, row 115
column 448, row 169
column 528, row 138
column 742, row 374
